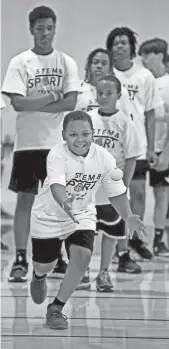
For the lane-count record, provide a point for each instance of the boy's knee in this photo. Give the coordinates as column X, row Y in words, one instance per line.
column 80, row 255
column 43, row 268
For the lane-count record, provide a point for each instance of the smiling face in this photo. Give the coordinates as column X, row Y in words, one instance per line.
column 107, row 95
column 78, row 136
column 43, row 32
column 100, row 66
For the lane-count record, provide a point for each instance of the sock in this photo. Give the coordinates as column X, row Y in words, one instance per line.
column 60, row 257
column 158, row 234
column 58, row 302
column 135, row 236
column 21, row 256
column 120, row 254
column 39, row 277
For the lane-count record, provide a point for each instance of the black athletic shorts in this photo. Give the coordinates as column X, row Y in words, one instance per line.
column 141, row 169
column 47, row 250
column 29, row 167
column 159, row 178
column 109, row 221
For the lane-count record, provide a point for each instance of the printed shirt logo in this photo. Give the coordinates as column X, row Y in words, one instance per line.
column 132, row 90
column 106, row 138
column 45, row 79
column 82, row 183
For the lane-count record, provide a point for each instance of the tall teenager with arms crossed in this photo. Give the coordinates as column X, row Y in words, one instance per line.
column 42, row 84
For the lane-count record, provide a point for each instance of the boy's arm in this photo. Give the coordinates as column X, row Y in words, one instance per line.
column 71, row 84
column 116, row 192
column 47, row 103
column 122, row 206
column 24, row 103
column 128, row 171
column 163, row 160
column 150, row 132
column 68, row 103
column 153, row 100
column 57, row 180
column 60, row 196
column 59, row 193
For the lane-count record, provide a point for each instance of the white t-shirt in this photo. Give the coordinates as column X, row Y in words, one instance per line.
column 31, row 75
column 81, row 177
column 87, row 99
column 143, row 94
column 118, row 134
column 162, row 128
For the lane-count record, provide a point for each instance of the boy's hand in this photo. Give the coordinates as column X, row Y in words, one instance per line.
column 152, row 158
column 67, row 207
column 135, row 224
column 163, row 163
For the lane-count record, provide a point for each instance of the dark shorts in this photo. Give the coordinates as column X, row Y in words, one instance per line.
column 47, row 250
column 109, row 221
column 29, row 167
column 159, row 179
column 141, row 169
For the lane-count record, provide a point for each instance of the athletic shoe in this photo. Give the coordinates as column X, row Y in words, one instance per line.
column 160, row 249
column 141, row 248
column 59, row 270
column 85, row 283
column 18, row 272
column 38, row 289
column 127, row 265
column 55, row 319
column 103, row 282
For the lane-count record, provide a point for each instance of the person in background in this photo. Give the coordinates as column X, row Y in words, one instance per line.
column 145, row 98
column 4, row 214
column 153, row 53
column 42, row 84
column 116, row 132
column 99, row 63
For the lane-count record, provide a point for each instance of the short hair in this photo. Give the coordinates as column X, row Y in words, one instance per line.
column 41, row 12
column 114, row 79
column 76, row 115
column 90, row 60
column 119, row 31
column 154, row 45
column 166, row 60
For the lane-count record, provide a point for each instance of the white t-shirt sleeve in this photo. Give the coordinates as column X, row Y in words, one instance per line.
column 151, row 93
column 2, row 102
column 71, row 80
column 131, row 142
column 124, row 103
column 56, row 166
column 15, row 79
column 112, row 187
